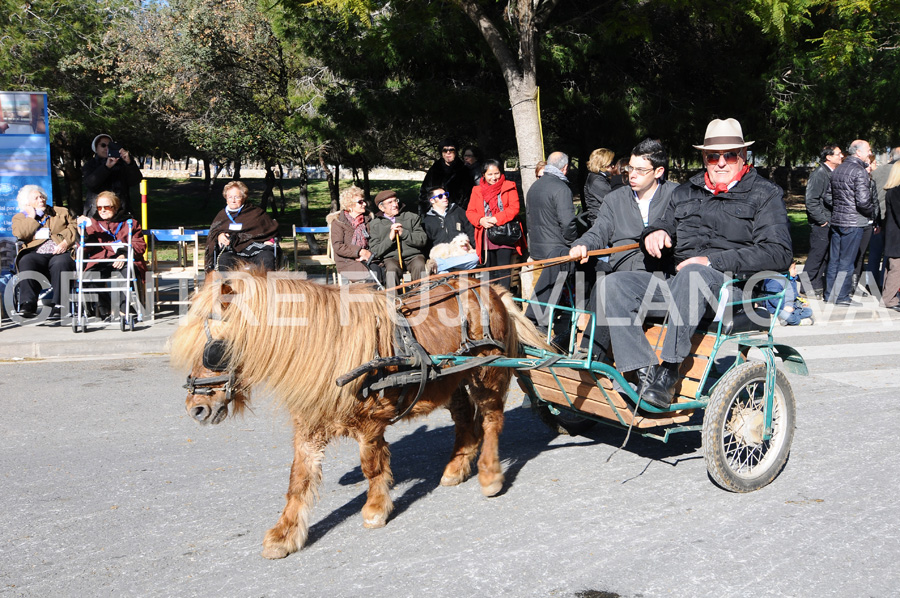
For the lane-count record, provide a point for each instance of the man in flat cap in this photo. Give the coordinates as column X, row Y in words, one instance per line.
column 398, row 240
column 724, row 222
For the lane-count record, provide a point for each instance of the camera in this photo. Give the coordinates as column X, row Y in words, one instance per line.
column 114, row 149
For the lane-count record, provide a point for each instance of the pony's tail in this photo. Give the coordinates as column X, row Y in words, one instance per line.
column 525, row 329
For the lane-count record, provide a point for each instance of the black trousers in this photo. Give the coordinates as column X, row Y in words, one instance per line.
column 228, row 260
column 817, row 260
column 49, row 265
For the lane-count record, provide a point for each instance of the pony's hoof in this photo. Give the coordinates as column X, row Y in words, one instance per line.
column 492, row 488
column 275, row 552
column 375, row 522
column 450, row 480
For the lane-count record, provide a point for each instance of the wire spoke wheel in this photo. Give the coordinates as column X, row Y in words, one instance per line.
column 738, row 455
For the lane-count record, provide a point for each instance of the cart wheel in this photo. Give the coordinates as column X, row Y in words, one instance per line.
column 737, row 456
column 122, row 323
column 83, row 324
column 75, row 322
column 565, row 423
column 131, row 323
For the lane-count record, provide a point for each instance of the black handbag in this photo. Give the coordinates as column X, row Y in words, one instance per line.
column 503, row 234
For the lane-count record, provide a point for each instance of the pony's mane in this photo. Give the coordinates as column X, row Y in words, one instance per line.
column 292, row 336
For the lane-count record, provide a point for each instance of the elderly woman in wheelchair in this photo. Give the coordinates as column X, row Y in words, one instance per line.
column 49, row 237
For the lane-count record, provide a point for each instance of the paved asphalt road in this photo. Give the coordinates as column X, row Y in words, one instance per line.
column 109, row 489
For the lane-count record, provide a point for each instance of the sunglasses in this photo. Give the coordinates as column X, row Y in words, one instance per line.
column 448, row 149
column 361, row 202
column 730, row 158
column 102, row 145
column 104, row 208
column 440, row 196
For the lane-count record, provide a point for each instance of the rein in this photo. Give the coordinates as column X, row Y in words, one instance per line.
column 536, row 265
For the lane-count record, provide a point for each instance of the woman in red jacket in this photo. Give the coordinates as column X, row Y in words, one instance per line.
column 494, row 202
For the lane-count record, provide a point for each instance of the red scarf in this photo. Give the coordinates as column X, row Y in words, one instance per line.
column 490, row 193
column 723, row 187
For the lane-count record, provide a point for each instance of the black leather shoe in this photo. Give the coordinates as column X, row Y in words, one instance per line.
column 644, row 377
column 661, row 390
column 848, row 303
column 893, row 307
column 28, row 310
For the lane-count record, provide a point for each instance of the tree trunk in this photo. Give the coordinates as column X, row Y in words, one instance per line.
column 237, row 171
column 281, row 189
column 333, row 186
column 366, row 184
column 519, row 69
column 269, row 192
column 210, row 181
column 70, row 194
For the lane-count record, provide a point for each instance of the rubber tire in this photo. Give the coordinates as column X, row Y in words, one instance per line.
column 75, row 323
column 719, row 412
column 566, row 423
column 122, row 323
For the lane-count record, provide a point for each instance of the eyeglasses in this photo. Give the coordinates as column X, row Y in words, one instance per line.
column 730, row 158
column 439, row 196
column 102, row 145
column 640, row 171
column 446, row 150
column 361, row 202
column 104, row 207
column 391, row 200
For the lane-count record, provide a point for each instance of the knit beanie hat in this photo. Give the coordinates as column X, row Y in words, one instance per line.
column 97, row 138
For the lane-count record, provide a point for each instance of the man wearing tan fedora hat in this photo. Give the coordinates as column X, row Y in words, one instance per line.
column 724, row 222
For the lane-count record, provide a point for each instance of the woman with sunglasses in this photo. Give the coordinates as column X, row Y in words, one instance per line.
column 350, row 235
column 110, row 227
column 49, row 235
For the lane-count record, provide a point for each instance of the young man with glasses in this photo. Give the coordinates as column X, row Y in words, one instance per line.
column 818, row 214
column 445, row 221
column 726, row 221
column 450, row 174
column 105, row 172
column 622, row 218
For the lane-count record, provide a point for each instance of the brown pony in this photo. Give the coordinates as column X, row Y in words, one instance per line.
column 296, row 337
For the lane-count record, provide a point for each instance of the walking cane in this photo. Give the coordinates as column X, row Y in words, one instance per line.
column 399, row 253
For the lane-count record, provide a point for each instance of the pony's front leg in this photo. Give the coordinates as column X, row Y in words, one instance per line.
column 290, row 533
column 490, row 474
column 375, row 460
column 468, row 434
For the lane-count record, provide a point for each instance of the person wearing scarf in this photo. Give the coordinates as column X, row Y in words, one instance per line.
column 49, row 235
column 724, row 223
column 349, row 228
column 494, row 202
column 110, row 228
column 240, row 232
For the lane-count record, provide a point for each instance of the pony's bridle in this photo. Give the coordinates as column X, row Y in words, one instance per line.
column 213, row 359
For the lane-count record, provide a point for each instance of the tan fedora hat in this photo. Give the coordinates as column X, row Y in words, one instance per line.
column 723, row 134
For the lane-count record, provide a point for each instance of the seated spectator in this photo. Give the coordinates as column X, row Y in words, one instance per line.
column 539, row 169
column 350, row 235
column 794, row 312
column 49, row 235
column 105, row 172
column 618, row 175
column 596, row 186
column 111, row 226
column 494, row 203
column 397, row 240
column 445, row 220
column 240, row 232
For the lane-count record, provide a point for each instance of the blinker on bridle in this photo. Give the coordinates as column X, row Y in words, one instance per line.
column 214, row 359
